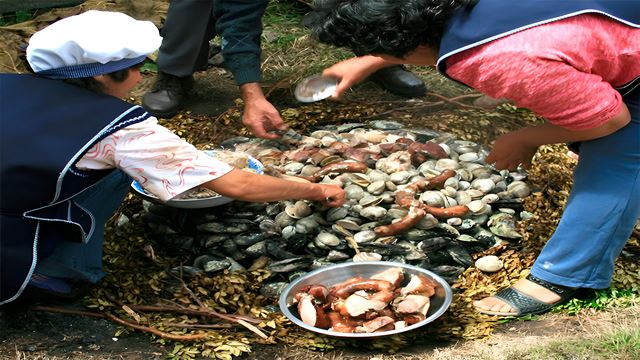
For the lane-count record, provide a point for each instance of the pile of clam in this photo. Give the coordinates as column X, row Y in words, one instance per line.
column 413, row 196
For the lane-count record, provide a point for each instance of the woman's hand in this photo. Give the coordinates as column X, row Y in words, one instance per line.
column 334, row 195
column 353, row 71
column 510, row 151
column 248, row 186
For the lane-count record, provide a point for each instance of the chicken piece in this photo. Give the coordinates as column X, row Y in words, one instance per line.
column 392, row 275
column 310, row 313
column 412, row 304
column 356, row 305
column 419, row 284
column 375, row 324
column 401, row 324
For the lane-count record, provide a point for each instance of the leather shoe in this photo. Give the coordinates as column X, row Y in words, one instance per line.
column 166, row 94
column 400, row 81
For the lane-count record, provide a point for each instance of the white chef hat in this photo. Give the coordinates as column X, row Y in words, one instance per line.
column 90, row 44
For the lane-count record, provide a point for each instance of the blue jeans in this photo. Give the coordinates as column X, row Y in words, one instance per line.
column 601, row 212
column 83, row 262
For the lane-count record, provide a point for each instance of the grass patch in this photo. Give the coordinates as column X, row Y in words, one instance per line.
column 600, row 300
column 289, row 52
column 622, row 343
column 15, row 17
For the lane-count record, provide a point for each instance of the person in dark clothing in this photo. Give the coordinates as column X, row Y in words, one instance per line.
column 85, row 145
column 575, row 63
column 189, row 27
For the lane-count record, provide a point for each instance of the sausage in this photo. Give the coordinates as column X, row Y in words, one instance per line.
column 319, row 292
column 367, row 285
column 342, row 167
column 428, row 149
column 446, row 213
column 411, row 319
column 340, row 324
column 438, row 181
column 406, row 196
column 413, row 217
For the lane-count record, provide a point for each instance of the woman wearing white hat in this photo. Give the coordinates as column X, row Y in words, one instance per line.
column 69, row 147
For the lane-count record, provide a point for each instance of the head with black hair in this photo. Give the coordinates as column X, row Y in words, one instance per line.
column 392, row 27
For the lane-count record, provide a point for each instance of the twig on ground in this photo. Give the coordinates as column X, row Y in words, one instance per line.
column 187, row 311
column 66, row 311
column 425, row 104
column 417, row 107
column 155, row 331
column 231, row 318
column 120, row 321
column 13, row 63
column 198, row 326
column 454, row 100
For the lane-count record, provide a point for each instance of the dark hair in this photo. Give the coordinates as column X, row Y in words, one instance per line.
column 92, row 84
column 393, row 27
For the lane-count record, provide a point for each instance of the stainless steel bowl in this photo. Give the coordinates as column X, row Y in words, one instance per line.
column 338, row 273
column 200, row 203
column 315, row 88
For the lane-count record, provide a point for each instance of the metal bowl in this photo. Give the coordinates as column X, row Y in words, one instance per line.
column 315, row 88
column 212, row 201
column 338, row 273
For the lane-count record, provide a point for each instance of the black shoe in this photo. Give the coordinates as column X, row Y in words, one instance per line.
column 400, row 81
column 166, row 95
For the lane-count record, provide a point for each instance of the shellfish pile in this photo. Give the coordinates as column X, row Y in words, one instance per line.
column 413, row 196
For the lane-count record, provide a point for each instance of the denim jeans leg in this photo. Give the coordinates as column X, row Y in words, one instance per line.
column 601, row 212
column 78, row 261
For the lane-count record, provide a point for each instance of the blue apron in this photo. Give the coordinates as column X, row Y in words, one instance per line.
column 46, row 126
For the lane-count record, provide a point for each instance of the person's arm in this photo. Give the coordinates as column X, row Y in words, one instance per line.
column 247, row 186
column 355, row 70
column 259, row 115
column 518, row 147
column 352, row 71
column 239, row 23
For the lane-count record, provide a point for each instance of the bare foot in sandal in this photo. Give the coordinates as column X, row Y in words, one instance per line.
column 523, row 298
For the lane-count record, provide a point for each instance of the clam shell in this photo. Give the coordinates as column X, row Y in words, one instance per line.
column 335, row 214
column 298, row 210
column 373, row 212
column 489, row 263
column 367, row 256
column 363, row 237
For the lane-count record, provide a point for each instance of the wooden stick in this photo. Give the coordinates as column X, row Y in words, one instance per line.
column 187, row 311
column 118, row 320
column 251, row 328
column 155, row 331
column 198, row 326
column 66, row 311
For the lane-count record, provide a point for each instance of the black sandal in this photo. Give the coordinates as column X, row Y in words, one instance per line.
column 526, row 305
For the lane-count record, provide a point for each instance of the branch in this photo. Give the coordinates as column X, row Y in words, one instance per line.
column 118, row 320
column 156, row 332
column 231, row 318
